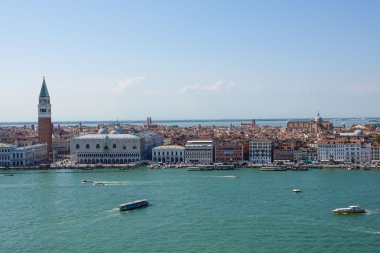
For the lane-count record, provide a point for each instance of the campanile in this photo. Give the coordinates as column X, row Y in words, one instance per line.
column 45, row 128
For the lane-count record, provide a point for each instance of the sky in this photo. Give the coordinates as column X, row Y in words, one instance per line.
column 190, row 59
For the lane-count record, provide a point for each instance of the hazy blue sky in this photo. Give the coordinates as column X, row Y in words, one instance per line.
column 105, row 60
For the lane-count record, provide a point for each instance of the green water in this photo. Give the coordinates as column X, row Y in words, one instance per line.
column 52, row 211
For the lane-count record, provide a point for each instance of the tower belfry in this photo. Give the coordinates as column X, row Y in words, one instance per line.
column 45, row 128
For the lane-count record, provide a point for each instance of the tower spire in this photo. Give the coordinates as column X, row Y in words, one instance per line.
column 44, row 93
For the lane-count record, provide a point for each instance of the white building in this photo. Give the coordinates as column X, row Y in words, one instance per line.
column 10, row 155
column 199, row 151
column 106, row 148
column 5, row 154
column 168, row 154
column 355, row 152
column 261, row 151
column 29, row 155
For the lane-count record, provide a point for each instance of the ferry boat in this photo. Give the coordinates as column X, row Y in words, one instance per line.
column 134, row 205
column 349, row 210
column 273, row 168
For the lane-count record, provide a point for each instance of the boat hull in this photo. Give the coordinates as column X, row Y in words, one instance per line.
column 133, row 206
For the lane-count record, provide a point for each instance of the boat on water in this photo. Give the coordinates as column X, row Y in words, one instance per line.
column 199, row 168
column 7, row 175
column 134, row 205
column 87, row 181
column 273, row 168
column 296, row 190
column 349, row 210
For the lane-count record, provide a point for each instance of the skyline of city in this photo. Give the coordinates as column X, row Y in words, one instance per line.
column 130, row 60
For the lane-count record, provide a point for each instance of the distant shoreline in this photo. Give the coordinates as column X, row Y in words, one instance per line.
column 189, row 121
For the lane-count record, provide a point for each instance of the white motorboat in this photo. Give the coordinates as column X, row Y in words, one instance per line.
column 349, row 210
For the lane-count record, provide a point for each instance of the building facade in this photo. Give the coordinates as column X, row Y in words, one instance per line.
column 229, row 151
column 168, row 154
column 106, row 149
column 375, row 152
column 29, row 155
column 261, row 151
column 45, row 127
column 5, row 154
column 199, row 151
column 354, row 152
column 284, row 154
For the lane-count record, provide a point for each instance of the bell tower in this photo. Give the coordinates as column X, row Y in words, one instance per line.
column 45, row 127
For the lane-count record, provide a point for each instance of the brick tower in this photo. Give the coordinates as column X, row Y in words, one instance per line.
column 45, row 128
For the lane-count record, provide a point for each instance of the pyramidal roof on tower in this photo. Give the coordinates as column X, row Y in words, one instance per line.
column 44, row 93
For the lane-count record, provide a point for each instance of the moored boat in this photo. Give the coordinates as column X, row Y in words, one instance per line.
column 134, row 205
column 349, row 210
column 273, row 168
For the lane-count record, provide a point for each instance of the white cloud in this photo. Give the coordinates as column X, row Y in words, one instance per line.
column 215, row 87
column 122, row 85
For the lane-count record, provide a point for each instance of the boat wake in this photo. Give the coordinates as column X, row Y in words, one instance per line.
column 365, row 231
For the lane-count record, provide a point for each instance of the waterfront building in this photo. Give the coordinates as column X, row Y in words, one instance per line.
column 375, row 152
column 261, row 151
column 29, row 155
column 106, row 148
column 229, row 151
column 354, row 152
column 45, row 127
column 199, row 151
column 168, row 154
column 283, row 154
column 5, row 154
column 310, row 126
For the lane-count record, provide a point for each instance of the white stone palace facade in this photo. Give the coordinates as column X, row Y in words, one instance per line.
column 106, row 148
column 168, row 154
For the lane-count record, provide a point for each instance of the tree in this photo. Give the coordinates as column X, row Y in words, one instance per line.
column 377, row 138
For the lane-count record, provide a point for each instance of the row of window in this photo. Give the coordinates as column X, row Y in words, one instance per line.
column 167, row 153
column 114, row 146
column 109, row 155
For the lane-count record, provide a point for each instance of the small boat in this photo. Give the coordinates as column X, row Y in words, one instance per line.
column 99, row 183
column 87, row 181
column 134, row 205
column 8, row 175
column 296, row 190
column 349, row 210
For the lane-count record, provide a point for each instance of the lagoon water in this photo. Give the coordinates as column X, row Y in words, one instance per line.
column 52, row 211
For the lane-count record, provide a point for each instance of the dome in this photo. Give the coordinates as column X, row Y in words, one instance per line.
column 118, row 130
column 103, row 131
column 318, row 118
column 358, row 132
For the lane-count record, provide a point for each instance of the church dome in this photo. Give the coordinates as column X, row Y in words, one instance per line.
column 318, row 118
column 359, row 132
column 103, row 131
column 118, row 130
